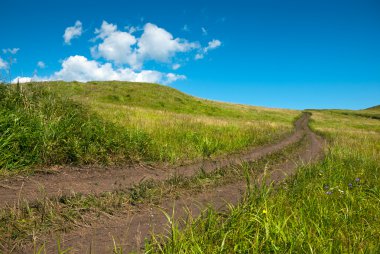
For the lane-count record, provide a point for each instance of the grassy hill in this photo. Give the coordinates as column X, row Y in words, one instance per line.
column 55, row 123
column 372, row 112
column 374, row 108
column 328, row 207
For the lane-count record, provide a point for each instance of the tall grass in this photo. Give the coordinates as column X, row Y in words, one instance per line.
column 45, row 215
column 329, row 207
column 40, row 128
column 44, row 124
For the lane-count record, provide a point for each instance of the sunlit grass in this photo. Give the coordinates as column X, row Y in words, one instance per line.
column 36, row 219
column 54, row 123
column 330, row 207
column 177, row 136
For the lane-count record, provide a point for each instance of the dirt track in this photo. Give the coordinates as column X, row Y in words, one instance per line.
column 131, row 227
column 97, row 180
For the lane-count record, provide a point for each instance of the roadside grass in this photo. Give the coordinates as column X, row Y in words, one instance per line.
column 57, row 123
column 329, row 207
column 21, row 225
column 177, row 138
column 39, row 128
column 181, row 127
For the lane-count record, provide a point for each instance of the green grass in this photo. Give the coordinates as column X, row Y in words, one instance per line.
column 64, row 213
column 373, row 112
column 44, row 124
column 39, row 128
column 330, row 207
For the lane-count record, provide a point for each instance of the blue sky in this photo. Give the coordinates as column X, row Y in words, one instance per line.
column 288, row 54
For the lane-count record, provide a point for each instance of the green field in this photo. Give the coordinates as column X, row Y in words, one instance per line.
column 330, row 207
column 58, row 123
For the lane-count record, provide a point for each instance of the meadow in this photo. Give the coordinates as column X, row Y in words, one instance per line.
column 58, row 123
column 328, row 207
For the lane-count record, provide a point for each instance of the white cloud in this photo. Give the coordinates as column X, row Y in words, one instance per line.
column 116, row 45
column 22, row 80
column 124, row 54
column 3, row 64
column 155, row 44
column 171, row 77
column 72, row 32
column 176, row 66
column 133, row 29
column 211, row 45
column 105, row 30
column 79, row 68
column 204, row 31
column 198, row 56
column 41, row 64
column 11, row 51
column 158, row 44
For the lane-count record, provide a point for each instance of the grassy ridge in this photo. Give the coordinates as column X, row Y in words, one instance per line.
column 330, row 207
column 110, row 122
column 373, row 112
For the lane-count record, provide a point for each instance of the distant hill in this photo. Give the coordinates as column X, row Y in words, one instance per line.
column 374, row 108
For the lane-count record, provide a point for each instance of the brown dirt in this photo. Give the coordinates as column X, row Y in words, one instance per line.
column 129, row 229
column 96, row 180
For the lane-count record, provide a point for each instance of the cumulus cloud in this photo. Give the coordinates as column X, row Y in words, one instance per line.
column 22, row 80
column 41, row 64
column 121, row 54
column 176, row 66
column 72, row 32
column 122, row 47
column 198, row 56
column 158, row 44
column 105, row 30
column 171, row 77
column 116, row 45
column 11, row 50
column 211, row 45
column 3, row 64
column 81, row 69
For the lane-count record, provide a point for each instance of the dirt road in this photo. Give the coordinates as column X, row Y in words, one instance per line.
column 131, row 227
column 96, row 180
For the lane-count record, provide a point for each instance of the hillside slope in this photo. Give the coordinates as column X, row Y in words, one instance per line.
column 57, row 123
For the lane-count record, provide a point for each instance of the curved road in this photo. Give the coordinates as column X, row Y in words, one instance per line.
column 97, row 180
column 131, row 227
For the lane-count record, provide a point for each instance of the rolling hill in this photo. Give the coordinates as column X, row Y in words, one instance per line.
column 58, row 123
